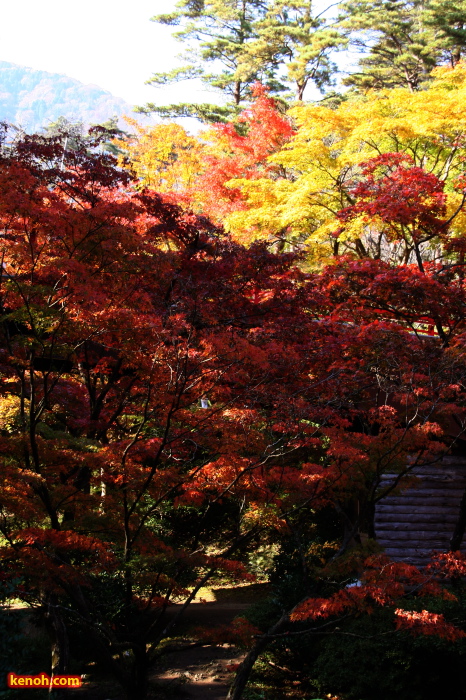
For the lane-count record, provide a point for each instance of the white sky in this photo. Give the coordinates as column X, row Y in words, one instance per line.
column 109, row 43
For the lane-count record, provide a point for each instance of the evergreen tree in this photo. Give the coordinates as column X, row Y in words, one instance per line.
column 71, row 132
column 448, row 17
column 403, row 40
column 279, row 43
column 292, row 35
column 221, row 30
column 398, row 48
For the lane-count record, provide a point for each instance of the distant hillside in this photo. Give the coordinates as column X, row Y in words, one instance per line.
column 33, row 98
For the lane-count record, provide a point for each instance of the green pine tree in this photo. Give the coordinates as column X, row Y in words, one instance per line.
column 217, row 32
column 448, row 19
column 401, row 41
column 234, row 43
column 296, row 43
column 398, row 48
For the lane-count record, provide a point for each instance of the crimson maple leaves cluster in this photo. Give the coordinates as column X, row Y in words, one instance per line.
column 169, row 396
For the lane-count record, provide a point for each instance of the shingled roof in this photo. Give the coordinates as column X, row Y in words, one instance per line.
column 422, row 519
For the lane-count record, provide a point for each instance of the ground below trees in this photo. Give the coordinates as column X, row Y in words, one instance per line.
column 203, row 673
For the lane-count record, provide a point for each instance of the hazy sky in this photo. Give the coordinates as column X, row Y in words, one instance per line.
column 110, row 43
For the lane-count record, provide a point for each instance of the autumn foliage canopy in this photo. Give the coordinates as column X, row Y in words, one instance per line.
column 171, row 397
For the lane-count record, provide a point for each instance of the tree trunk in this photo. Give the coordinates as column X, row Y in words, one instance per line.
column 460, row 527
column 59, row 643
column 370, row 519
column 244, row 671
column 237, row 92
column 136, row 689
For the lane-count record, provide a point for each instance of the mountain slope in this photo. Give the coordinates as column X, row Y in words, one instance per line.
column 33, row 98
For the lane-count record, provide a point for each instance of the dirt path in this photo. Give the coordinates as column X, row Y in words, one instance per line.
column 206, row 673
column 200, row 674
column 203, row 673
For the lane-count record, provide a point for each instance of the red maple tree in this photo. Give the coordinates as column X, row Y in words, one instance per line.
column 169, row 397
column 241, row 150
column 388, row 352
column 150, row 372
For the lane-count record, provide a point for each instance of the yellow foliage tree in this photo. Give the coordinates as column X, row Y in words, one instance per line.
column 196, row 169
column 164, row 157
column 321, row 163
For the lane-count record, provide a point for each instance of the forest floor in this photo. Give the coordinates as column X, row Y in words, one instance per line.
column 201, row 673
column 205, row 673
